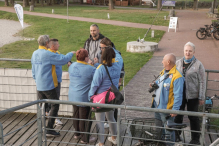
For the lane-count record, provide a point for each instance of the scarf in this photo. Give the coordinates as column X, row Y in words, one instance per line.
column 188, row 60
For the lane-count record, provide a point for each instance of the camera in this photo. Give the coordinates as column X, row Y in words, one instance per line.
column 154, row 86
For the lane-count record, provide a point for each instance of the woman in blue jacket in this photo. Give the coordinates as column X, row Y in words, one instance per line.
column 81, row 75
column 101, row 83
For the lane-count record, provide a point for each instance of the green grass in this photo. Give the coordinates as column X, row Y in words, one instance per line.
column 137, row 16
column 71, row 37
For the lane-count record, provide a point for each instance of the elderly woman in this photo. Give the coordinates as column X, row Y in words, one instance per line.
column 81, row 75
column 101, row 82
column 194, row 89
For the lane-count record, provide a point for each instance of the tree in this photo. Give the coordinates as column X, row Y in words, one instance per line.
column 195, row 4
column 24, row 3
column 159, row 4
column 111, row 5
column 33, row 2
column 12, row 2
column 42, row 2
column 6, row 3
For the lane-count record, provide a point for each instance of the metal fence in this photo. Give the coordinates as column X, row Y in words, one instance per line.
column 41, row 128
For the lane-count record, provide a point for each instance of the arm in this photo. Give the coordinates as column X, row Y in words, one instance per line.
column 59, row 59
column 97, row 80
column 202, row 82
column 178, row 93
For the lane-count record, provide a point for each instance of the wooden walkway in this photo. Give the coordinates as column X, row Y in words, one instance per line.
column 13, row 121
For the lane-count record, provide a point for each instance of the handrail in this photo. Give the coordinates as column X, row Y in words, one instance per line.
column 136, row 108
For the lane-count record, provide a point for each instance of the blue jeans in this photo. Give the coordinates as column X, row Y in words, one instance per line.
column 168, row 133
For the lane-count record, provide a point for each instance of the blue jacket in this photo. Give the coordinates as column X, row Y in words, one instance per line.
column 101, row 81
column 81, row 76
column 170, row 93
column 43, row 61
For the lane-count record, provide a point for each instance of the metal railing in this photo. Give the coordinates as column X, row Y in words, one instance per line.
column 41, row 128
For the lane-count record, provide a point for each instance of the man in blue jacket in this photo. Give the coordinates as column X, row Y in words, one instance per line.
column 43, row 72
column 169, row 94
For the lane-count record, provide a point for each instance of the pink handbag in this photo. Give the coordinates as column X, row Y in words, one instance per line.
column 103, row 98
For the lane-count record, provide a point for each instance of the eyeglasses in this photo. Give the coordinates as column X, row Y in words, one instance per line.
column 102, row 47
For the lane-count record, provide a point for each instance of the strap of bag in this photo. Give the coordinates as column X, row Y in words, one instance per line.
column 108, row 73
column 107, row 96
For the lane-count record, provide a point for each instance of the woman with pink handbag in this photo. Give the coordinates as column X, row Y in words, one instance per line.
column 101, row 83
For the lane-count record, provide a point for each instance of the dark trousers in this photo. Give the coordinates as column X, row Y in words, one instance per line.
column 79, row 125
column 51, row 94
column 192, row 105
column 48, row 105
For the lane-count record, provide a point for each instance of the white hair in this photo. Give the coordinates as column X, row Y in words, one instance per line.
column 43, row 39
column 190, row 44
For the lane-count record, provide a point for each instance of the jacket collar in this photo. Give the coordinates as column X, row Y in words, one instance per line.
column 83, row 62
column 100, row 37
column 172, row 71
column 113, row 61
column 42, row 47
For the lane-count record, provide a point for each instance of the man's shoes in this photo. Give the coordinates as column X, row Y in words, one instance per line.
column 52, row 133
column 193, row 141
column 111, row 140
column 58, row 122
column 106, row 125
column 92, row 139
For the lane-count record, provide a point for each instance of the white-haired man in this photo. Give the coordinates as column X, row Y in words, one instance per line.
column 46, row 81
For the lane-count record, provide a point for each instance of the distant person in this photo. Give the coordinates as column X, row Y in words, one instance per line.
column 193, row 91
column 43, row 73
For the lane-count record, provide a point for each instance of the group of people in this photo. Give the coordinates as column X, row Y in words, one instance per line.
column 181, row 83
column 87, row 76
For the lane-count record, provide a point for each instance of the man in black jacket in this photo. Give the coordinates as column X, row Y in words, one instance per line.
column 93, row 42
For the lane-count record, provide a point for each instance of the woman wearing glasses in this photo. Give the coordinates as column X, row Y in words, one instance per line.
column 101, row 82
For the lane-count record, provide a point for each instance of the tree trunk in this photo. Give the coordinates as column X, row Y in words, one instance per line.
column 42, row 2
column 65, row 2
column 32, row 3
column 47, row 2
column 111, row 5
column 28, row 4
column 12, row 2
column 140, row 2
column 81, row 2
column 24, row 3
column 159, row 4
column 6, row 3
column 195, row 5
column 38, row 1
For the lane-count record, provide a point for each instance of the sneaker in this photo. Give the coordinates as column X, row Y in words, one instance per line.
column 98, row 144
column 111, row 140
column 193, row 141
column 77, row 137
column 106, row 125
column 52, row 133
column 58, row 122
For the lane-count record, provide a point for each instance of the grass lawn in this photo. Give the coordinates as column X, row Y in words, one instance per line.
column 128, row 15
column 72, row 36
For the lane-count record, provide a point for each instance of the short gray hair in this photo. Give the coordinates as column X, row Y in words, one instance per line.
column 190, row 44
column 94, row 25
column 42, row 40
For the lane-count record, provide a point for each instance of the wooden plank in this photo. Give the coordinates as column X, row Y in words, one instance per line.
column 4, row 118
column 29, row 133
column 68, row 136
column 56, row 128
column 213, row 136
column 67, row 126
column 13, row 127
column 10, row 140
column 10, row 120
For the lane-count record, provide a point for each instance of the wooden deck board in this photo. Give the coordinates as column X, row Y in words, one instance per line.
column 24, row 130
column 13, row 121
column 22, row 120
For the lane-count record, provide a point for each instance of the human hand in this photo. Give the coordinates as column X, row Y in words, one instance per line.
column 73, row 52
column 90, row 62
column 173, row 115
column 69, row 63
column 95, row 60
column 201, row 102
